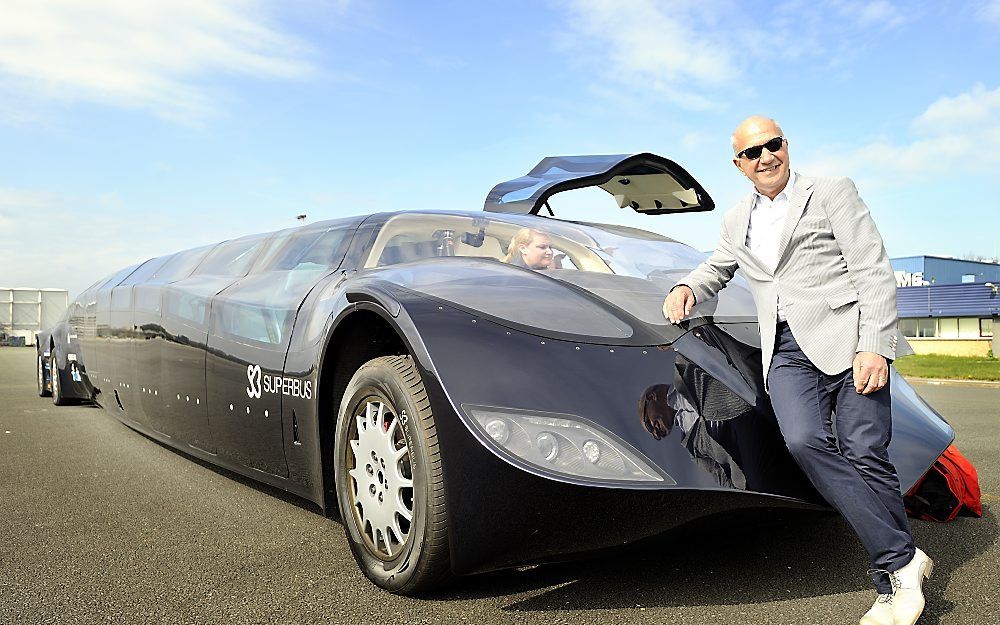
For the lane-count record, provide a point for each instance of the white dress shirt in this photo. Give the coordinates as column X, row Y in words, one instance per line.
column 767, row 220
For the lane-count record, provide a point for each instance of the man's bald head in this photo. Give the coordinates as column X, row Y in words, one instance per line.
column 766, row 165
column 754, row 125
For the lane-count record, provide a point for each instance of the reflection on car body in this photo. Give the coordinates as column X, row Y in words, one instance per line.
column 458, row 412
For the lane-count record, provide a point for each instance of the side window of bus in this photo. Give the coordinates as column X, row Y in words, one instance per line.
column 320, row 249
column 232, row 258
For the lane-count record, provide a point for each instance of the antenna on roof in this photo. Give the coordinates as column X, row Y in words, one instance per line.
column 301, row 218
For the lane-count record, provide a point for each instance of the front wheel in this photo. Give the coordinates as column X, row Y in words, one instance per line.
column 43, row 382
column 390, row 485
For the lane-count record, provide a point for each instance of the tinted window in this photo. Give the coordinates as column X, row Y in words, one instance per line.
column 314, row 248
column 114, row 280
column 908, row 327
column 258, row 323
column 232, row 258
column 121, row 298
column 262, row 307
column 190, row 306
column 146, row 271
column 146, row 298
column 182, row 264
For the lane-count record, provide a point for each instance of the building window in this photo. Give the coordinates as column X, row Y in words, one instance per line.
column 947, row 327
column 968, row 277
column 908, row 327
column 968, row 328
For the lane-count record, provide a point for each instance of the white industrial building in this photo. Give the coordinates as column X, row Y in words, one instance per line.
column 23, row 311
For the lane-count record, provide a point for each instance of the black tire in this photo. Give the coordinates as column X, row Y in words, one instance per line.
column 57, row 395
column 43, row 380
column 421, row 561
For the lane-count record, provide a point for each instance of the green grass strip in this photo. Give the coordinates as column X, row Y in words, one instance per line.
column 950, row 367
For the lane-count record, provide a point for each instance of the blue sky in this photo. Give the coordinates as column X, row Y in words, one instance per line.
column 133, row 129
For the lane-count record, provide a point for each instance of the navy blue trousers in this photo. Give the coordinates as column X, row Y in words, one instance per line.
column 844, row 455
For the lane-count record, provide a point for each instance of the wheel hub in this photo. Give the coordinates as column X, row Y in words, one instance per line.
column 382, row 483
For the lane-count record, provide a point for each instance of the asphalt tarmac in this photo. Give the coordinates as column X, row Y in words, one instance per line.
column 99, row 524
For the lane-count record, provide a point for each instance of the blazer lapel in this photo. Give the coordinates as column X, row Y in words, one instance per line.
column 796, row 206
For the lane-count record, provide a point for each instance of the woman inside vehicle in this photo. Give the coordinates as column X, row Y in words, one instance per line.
column 532, row 249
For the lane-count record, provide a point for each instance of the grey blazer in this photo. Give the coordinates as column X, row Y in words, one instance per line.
column 836, row 285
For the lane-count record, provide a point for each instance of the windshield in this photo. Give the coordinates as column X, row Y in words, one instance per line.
column 632, row 269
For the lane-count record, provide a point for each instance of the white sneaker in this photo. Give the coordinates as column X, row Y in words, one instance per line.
column 908, row 599
column 880, row 613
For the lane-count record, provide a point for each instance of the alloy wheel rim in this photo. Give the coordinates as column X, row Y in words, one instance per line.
column 41, row 375
column 381, row 479
column 55, row 378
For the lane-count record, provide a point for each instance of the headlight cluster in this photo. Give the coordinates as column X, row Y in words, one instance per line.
column 562, row 444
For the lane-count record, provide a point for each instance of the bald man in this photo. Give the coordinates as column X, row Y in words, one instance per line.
column 826, row 304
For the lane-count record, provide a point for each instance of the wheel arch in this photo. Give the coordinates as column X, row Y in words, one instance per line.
column 53, row 349
column 364, row 332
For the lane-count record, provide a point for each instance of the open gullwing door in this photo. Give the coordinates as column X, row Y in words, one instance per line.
column 646, row 183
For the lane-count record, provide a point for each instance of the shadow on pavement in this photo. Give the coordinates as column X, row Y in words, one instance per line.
column 951, row 545
column 744, row 557
column 274, row 491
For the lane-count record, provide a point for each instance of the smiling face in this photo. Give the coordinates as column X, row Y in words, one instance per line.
column 769, row 173
column 538, row 253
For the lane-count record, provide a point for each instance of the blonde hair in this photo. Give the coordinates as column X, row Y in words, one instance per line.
column 523, row 237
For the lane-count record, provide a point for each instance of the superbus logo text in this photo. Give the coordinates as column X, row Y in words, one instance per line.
column 260, row 383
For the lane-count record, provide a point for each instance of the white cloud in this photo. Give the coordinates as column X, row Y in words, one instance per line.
column 952, row 135
column 871, row 14
column 20, row 198
column 155, row 55
column 990, row 11
column 706, row 55
column 968, row 112
column 667, row 50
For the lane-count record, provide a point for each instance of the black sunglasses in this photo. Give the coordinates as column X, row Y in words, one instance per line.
column 753, row 152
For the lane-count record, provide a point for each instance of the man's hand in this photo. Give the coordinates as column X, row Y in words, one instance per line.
column 678, row 304
column 871, row 372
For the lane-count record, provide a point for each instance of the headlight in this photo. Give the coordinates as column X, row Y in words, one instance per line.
column 563, row 444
